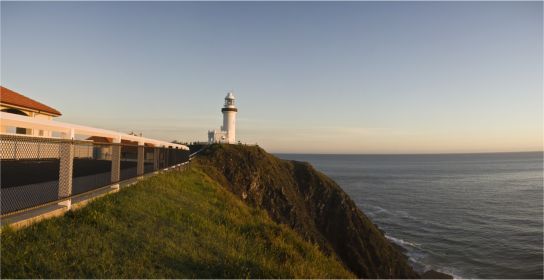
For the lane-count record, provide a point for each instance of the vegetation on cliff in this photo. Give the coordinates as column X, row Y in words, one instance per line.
column 295, row 194
column 174, row 225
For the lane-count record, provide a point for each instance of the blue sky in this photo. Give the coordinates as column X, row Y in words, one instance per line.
column 320, row 77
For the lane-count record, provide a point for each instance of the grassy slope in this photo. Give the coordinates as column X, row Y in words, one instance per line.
column 171, row 225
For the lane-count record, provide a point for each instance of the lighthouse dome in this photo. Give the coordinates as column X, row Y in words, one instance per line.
column 230, row 96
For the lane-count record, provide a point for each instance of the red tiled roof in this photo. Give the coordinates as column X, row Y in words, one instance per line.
column 100, row 139
column 10, row 97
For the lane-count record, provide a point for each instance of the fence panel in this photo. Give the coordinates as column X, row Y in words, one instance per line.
column 182, row 156
column 30, row 171
column 92, row 166
column 162, row 158
column 149, row 159
column 129, row 161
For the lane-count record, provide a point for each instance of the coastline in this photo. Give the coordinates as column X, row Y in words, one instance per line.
column 444, row 207
column 425, row 270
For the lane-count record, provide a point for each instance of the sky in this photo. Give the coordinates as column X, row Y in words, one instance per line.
column 309, row 77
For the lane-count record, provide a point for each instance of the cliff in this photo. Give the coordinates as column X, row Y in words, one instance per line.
column 295, row 194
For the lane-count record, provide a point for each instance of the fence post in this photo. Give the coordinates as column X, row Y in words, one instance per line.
column 15, row 143
column 140, row 165
column 66, row 167
column 116, row 162
column 156, row 159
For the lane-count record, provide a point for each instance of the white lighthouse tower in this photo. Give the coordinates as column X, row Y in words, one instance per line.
column 229, row 118
column 227, row 133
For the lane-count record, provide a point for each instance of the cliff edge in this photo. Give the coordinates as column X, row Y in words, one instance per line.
column 295, row 194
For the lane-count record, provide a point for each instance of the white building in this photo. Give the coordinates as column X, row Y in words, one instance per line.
column 227, row 132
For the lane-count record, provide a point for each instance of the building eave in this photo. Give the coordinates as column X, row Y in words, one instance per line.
column 29, row 109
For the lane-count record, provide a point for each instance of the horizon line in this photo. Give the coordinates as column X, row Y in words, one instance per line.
column 408, row 154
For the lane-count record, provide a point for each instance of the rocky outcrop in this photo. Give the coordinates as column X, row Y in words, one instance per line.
column 295, row 194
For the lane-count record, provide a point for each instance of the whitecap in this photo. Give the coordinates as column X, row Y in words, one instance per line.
column 450, row 271
column 402, row 242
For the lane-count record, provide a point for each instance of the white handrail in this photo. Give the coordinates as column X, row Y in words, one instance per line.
column 14, row 120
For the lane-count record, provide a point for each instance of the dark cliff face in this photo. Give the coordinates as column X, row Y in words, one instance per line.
column 294, row 193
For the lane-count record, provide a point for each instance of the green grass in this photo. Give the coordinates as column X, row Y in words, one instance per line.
column 174, row 225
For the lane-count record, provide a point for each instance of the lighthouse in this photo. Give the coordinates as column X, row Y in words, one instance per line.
column 229, row 118
column 227, row 133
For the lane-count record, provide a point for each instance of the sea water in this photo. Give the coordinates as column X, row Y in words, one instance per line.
column 469, row 215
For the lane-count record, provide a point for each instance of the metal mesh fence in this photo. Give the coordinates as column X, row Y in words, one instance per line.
column 29, row 171
column 149, row 159
column 176, row 156
column 92, row 166
column 129, row 161
column 37, row 171
column 163, row 157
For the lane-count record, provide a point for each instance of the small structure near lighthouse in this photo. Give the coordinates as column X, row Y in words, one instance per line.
column 227, row 133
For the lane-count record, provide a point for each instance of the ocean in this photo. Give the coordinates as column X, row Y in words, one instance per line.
column 468, row 215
